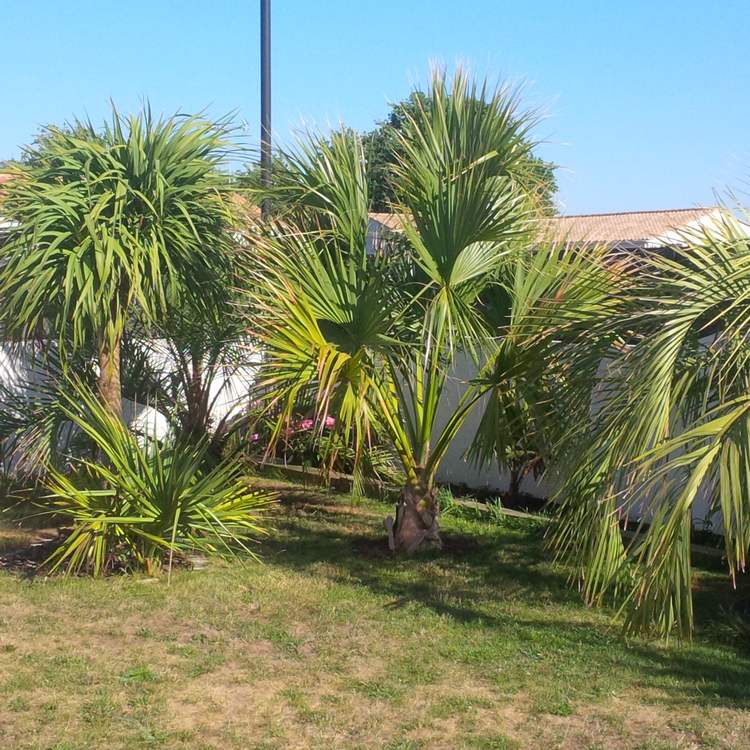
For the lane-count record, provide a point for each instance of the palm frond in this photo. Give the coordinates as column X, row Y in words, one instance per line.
column 142, row 503
column 669, row 425
column 134, row 214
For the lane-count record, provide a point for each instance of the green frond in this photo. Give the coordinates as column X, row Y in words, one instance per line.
column 374, row 338
column 134, row 214
column 143, row 502
column 668, row 381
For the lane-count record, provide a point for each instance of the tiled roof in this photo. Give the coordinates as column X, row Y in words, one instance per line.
column 394, row 222
column 4, row 178
column 246, row 210
column 631, row 226
column 636, row 227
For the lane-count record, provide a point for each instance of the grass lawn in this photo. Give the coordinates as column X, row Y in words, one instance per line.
column 330, row 643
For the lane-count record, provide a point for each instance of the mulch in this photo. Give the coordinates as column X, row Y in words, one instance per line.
column 28, row 558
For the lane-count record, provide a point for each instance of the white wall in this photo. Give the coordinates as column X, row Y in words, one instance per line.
column 230, row 396
column 229, row 390
column 454, row 467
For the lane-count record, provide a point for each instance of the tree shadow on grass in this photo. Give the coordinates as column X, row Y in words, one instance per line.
column 475, row 581
column 695, row 674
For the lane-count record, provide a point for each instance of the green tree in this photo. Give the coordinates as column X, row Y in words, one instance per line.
column 125, row 221
column 249, row 177
column 187, row 360
column 373, row 339
column 510, row 430
column 528, row 403
column 665, row 364
column 383, row 149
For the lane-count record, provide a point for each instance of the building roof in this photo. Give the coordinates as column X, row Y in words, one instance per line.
column 394, row 222
column 627, row 228
column 4, row 224
column 246, row 210
column 5, row 178
column 636, row 227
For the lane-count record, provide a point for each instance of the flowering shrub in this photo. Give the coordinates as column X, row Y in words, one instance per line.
column 305, row 443
column 296, row 427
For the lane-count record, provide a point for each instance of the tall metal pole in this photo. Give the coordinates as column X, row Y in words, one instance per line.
column 265, row 99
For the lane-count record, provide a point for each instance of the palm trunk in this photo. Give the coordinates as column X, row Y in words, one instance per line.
column 416, row 524
column 109, row 384
column 197, row 422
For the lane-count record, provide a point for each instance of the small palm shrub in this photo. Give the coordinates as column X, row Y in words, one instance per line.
column 143, row 504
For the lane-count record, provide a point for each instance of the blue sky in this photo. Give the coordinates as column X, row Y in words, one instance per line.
column 646, row 103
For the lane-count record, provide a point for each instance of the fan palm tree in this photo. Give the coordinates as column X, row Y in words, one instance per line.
column 374, row 337
column 668, row 365
column 109, row 224
column 509, row 432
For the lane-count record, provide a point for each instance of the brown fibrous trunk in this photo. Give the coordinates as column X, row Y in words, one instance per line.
column 109, row 384
column 196, row 423
column 416, row 526
column 515, row 483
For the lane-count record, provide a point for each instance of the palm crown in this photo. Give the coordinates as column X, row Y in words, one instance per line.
column 112, row 222
column 373, row 337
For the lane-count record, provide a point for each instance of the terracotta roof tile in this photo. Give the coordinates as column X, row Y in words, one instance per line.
column 246, row 210
column 636, row 227
column 394, row 222
column 631, row 226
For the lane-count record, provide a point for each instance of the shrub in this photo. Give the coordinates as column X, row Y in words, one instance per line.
column 304, row 443
column 495, row 511
column 142, row 504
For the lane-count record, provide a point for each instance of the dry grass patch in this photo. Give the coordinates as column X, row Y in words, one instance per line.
column 330, row 643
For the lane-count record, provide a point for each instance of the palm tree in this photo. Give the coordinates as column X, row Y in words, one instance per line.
column 668, row 365
column 522, row 395
column 373, row 338
column 509, row 432
column 110, row 224
column 190, row 359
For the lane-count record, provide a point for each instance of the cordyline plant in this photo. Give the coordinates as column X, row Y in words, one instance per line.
column 374, row 336
column 107, row 224
column 190, row 359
